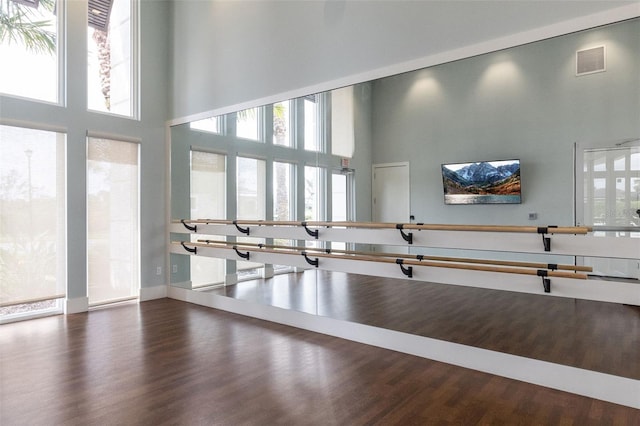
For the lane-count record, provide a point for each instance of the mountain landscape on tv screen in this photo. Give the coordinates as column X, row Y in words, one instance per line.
column 482, row 179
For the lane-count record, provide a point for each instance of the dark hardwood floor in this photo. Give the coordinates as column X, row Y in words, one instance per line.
column 166, row 362
column 598, row 336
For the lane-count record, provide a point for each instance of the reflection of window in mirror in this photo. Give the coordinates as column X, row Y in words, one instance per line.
column 111, row 58
column 314, row 197
column 208, row 201
column 311, row 119
column 248, row 124
column 282, row 124
column 342, row 119
column 251, row 205
column 283, row 203
column 211, row 125
column 29, row 49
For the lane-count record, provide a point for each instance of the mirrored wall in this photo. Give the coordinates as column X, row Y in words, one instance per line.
column 316, row 157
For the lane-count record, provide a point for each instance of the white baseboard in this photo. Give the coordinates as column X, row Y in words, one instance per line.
column 77, row 305
column 151, row 293
column 606, row 387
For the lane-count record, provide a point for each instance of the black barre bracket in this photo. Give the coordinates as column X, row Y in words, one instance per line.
column 546, row 241
column 242, row 255
column 190, row 250
column 313, row 262
column 242, row 230
column 314, row 233
column 407, row 237
column 193, row 228
column 546, row 282
column 407, row 271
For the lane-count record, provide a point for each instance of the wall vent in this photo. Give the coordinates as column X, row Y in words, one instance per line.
column 589, row 61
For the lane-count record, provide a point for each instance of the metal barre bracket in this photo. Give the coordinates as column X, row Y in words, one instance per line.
column 193, row 228
column 314, row 233
column 407, row 271
column 546, row 241
column 242, row 230
column 407, row 237
column 242, row 255
column 190, row 250
column 546, row 282
column 311, row 262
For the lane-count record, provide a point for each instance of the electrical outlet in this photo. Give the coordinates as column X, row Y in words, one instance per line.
column 174, row 269
column 533, row 216
column 159, row 270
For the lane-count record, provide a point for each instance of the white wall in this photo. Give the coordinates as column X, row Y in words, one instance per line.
column 226, row 53
column 74, row 117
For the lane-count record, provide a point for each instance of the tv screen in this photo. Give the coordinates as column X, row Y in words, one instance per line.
column 485, row 182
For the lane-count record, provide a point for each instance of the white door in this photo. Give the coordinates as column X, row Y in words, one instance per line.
column 390, row 190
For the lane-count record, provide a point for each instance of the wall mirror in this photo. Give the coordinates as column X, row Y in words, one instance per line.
column 336, row 155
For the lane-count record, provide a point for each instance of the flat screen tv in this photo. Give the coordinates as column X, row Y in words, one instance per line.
column 484, row 182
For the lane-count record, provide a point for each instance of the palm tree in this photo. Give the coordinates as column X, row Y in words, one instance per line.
column 20, row 23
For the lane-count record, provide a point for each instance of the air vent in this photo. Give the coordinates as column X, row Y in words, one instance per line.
column 589, row 61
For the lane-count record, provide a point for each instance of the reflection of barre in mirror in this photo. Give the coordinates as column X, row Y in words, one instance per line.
column 502, row 258
column 405, row 262
column 576, row 230
column 419, row 257
column 408, row 237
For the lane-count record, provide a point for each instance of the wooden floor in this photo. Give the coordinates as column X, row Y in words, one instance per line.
column 166, row 362
column 597, row 336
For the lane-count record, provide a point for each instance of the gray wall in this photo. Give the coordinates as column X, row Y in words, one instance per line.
column 525, row 103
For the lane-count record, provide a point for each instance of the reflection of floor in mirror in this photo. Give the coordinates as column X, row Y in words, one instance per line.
column 167, row 362
column 596, row 336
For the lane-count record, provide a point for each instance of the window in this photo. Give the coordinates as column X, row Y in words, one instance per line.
column 208, row 201
column 32, row 221
column 313, row 197
column 111, row 41
column 311, row 123
column 251, row 203
column 112, row 221
column 248, row 124
column 282, row 124
column 283, row 202
column 342, row 120
column 29, row 51
column 211, row 125
column 313, row 190
column 341, row 201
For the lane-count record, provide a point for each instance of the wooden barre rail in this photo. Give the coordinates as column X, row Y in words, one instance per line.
column 408, row 226
column 509, row 270
column 410, row 256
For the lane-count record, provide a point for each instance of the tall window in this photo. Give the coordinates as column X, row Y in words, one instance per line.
column 342, row 122
column 111, row 50
column 29, row 48
column 311, row 123
column 313, row 190
column 112, row 220
column 251, row 203
column 283, row 202
column 341, row 201
column 282, row 124
column 32, row 220
column 208, row 201
column 248, row 124
column 313, row 197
